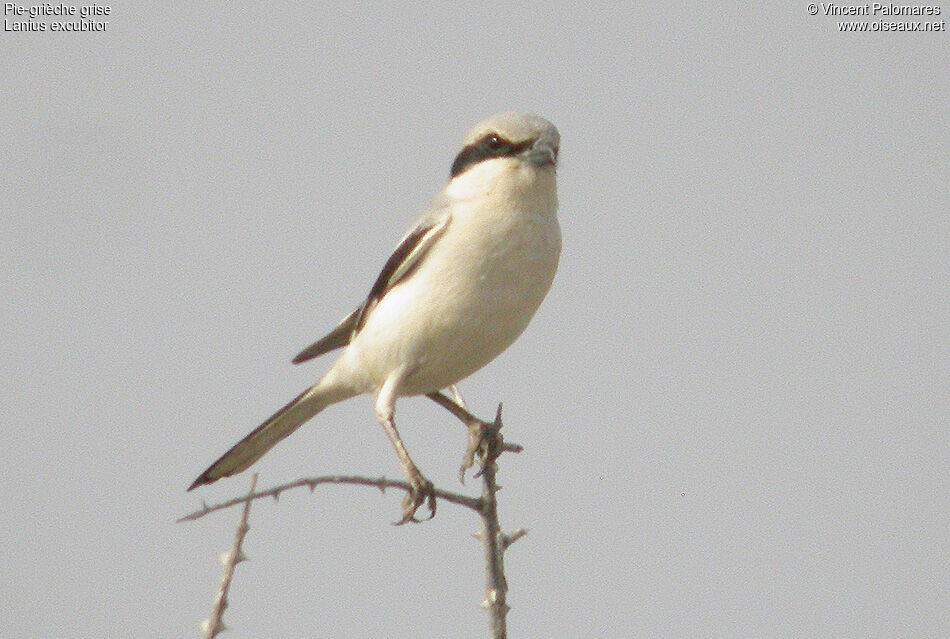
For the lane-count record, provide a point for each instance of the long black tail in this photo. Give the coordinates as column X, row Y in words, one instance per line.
column 281, row 424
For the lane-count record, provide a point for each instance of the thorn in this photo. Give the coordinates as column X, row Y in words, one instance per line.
column 277, row 496
column 206, row 627
column 226, row 558
column 507, row 540
column 492, row 597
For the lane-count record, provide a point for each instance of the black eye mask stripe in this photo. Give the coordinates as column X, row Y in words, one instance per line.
column 491, row 146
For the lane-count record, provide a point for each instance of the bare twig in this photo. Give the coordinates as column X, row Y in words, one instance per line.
column 491, row 445
column 381, row 483
column 496, row 542
column 215, row 624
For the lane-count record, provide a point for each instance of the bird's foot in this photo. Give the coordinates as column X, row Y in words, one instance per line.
column 476, row 448
column 421, row 492
column 485, row 443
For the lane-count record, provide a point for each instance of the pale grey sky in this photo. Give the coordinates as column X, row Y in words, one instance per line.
column 733, row 402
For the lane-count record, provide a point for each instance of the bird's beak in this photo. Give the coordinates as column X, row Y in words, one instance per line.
column 542, row 153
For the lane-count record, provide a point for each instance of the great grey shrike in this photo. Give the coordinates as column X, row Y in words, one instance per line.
column 459, row 289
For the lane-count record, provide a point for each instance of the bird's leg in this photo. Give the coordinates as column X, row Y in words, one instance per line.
column 478, row 434
column 421, row 489
column 458, row 396
column 475, row 426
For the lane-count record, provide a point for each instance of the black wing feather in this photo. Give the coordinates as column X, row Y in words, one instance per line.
column 382, row 283
column 337, row 338
column 350, row 326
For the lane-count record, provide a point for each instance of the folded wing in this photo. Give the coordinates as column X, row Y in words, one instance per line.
column 399, row 265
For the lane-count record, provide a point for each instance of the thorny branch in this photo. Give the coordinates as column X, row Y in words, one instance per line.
column 215, row 624
column 496, row 542
column 312, row 482
column 485, row 442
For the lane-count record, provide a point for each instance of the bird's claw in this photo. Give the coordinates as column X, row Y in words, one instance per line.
column 476, row 448
column 484, row 443
column 421, row 492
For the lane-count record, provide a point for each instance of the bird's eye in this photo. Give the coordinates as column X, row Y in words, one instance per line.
column 494, row 142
